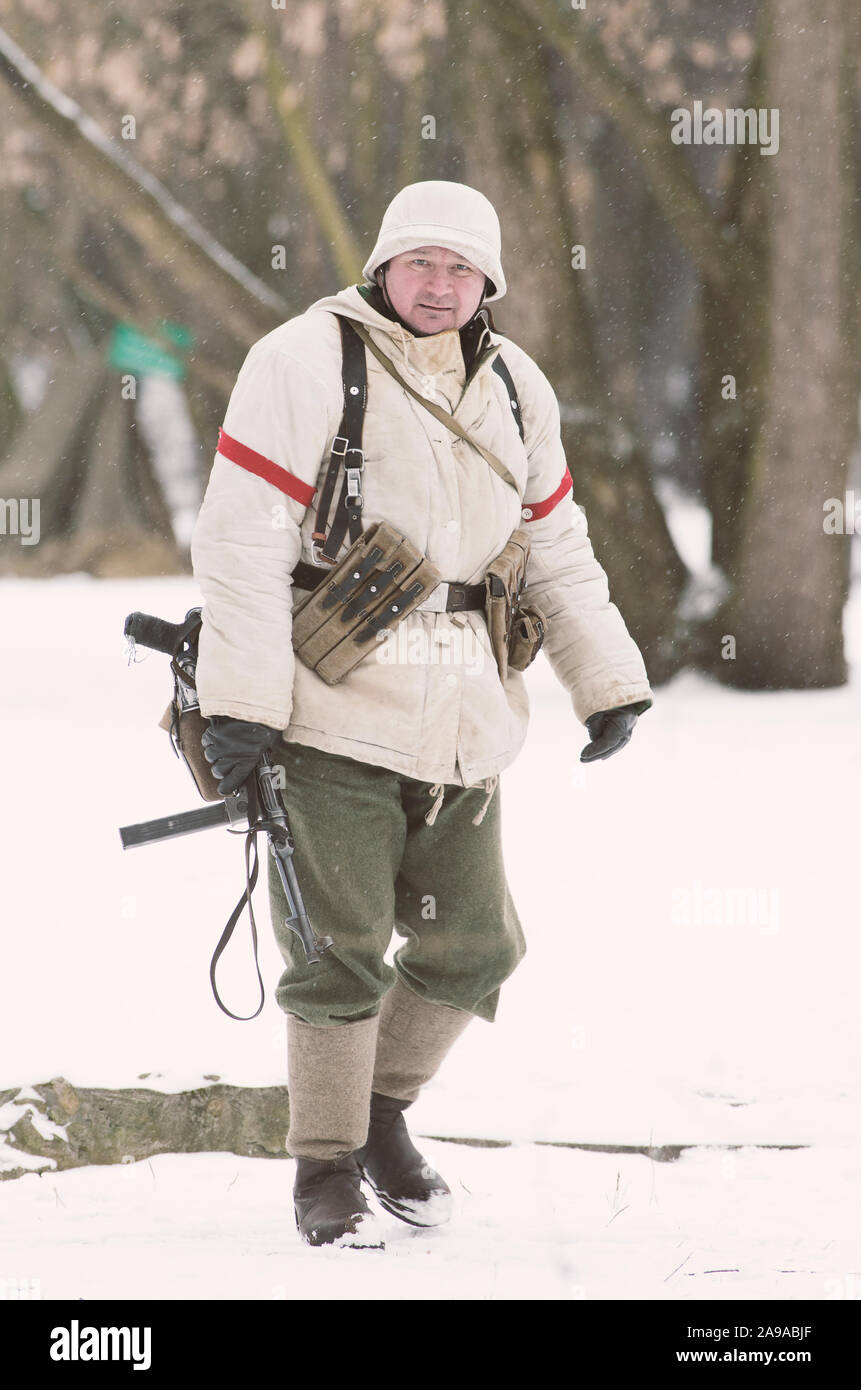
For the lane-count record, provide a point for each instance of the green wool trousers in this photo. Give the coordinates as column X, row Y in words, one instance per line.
column 369, row 864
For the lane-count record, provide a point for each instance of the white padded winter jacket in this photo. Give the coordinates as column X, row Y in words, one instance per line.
column 434, row 707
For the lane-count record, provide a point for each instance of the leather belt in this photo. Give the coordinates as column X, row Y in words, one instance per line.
column 445, row 598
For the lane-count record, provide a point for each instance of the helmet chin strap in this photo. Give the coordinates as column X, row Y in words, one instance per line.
column 386, row 295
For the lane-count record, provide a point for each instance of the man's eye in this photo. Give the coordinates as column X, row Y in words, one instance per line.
column 421, row 260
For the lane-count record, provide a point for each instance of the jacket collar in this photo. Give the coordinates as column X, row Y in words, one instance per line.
column 474, row 336
column 440, row 354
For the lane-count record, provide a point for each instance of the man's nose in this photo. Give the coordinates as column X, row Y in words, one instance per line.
column 440, row 284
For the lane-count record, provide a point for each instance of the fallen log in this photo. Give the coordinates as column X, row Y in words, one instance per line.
column 56, row 1125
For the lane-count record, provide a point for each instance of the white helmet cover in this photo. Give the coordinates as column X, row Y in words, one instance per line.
column 439, row 213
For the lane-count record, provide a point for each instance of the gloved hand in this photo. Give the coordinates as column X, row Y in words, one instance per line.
column 233, row 747
column 610, row 730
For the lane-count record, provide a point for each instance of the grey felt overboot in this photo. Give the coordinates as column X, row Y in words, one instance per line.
column 329, row 1081
column 414, row 1038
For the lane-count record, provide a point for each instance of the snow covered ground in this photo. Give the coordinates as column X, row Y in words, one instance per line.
column 691, row 909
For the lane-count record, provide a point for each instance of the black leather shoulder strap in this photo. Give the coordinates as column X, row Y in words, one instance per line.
column 354, row 380
column 500, row 368
column 346, row 449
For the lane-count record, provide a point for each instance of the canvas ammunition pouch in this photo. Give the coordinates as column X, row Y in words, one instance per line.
column 516, row 630
column 382, row 579
column 378, row 582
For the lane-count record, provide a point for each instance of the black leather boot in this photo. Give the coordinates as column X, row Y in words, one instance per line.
column 403, row 1182
column 330, row 1207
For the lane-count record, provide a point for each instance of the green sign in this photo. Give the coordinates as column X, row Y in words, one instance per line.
column 132, row 351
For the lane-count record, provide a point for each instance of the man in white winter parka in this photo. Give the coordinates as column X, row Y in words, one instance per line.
column 391, row 773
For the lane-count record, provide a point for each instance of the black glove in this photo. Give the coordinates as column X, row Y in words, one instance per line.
column 233, row 747
column 610, row 730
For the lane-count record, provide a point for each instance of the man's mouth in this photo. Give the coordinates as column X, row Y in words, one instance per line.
column 437, row 309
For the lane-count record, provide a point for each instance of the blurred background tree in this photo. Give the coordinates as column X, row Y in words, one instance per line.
column 282, row 133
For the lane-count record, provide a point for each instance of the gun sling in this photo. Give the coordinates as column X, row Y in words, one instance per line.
column 377, row 586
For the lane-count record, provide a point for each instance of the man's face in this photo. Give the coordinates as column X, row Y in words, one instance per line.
column 433, row 288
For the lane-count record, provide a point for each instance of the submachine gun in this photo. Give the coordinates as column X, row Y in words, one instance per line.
column 256, row 806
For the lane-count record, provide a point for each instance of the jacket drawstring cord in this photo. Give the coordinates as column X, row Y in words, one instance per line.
column 489, row 787
column 438, row 791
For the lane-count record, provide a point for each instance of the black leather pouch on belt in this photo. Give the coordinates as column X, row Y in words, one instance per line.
column 380, row 580
column 517, row 630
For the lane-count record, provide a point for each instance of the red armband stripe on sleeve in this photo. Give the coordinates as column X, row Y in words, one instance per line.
column 264, row 468
column 533, row 511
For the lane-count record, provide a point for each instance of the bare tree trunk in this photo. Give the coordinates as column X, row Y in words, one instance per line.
column 514, row 145
column 733, row 338
column 792, row 576
column 48, row 462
